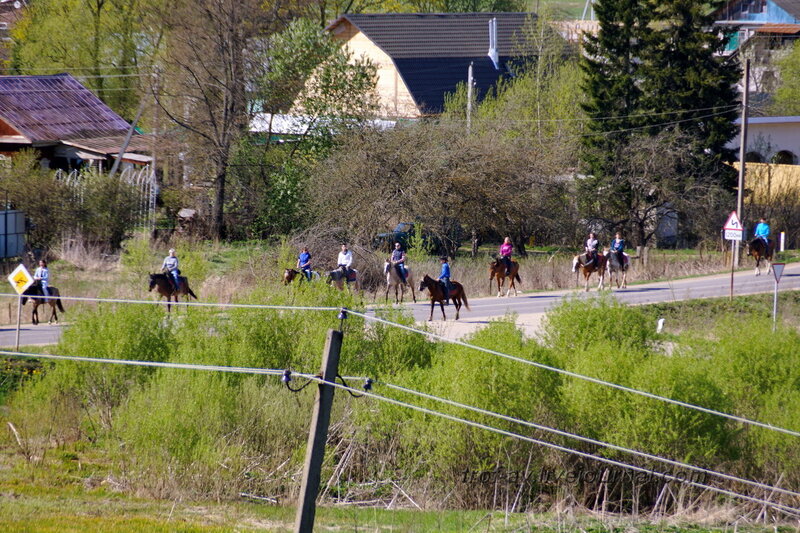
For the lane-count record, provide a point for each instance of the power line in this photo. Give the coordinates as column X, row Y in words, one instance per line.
column 587, row 439
column 579, row 376
column 158, row 364
column 785, row 508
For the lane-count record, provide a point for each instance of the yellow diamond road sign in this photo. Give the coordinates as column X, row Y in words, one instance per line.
column 20, row 279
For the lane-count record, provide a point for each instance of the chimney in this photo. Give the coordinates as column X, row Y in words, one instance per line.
column 493, row 54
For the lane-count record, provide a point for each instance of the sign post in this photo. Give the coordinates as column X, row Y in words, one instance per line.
column 777, row 271
column 20, row 279
column 733, row 232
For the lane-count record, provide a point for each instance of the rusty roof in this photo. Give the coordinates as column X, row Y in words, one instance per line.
column 56, row 107
column 789, row 29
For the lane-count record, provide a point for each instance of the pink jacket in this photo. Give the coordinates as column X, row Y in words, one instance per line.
column 506, row 249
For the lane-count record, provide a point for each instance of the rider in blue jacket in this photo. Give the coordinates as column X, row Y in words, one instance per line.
column 762, row 231
column 444, row 278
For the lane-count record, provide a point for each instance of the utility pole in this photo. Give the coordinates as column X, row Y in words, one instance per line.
column 469, row 97
column 318, row 435
column 742, row 155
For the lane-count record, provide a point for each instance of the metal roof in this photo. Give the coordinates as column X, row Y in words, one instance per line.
column 417, row 35
column 56, row 107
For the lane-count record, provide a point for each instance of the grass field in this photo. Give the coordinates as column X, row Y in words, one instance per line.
column 565, row 8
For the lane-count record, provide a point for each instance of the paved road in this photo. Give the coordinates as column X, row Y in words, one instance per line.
column 528, row 306
column 745, row 282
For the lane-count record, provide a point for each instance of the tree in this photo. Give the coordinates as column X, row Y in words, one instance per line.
column 206, row 75
column 612, row 78
column 103, row 41
column 688, row 86
column 787, row 97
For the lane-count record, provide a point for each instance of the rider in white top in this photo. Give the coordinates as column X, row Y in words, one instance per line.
column 345, row 258
column 591, row 248
column 42, row 275
column 170, row 264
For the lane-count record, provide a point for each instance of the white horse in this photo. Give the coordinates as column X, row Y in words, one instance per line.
column 393, row 280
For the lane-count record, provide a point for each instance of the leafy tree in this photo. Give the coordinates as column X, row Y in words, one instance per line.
column 103, row 41
column 787, row 97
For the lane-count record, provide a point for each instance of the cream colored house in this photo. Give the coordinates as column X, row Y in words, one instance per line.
column 420, row 57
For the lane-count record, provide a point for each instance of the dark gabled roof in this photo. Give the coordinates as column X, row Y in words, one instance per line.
column 407, row 35
column 790, row 6
column 432, row 51
column 57, row 107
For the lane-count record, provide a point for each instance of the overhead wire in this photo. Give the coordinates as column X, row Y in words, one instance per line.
column 587, row 439
column 785, row 508
column 579, row 376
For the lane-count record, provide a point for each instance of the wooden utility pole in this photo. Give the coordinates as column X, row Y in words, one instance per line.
column 742, row 156
column 318, row 435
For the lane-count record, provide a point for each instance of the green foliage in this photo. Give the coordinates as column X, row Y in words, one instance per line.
column 787, row 96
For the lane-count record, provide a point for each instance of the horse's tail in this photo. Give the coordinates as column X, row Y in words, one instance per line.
column 189, row 291
column 54, row 292
column 464, row 298
column 516, row 276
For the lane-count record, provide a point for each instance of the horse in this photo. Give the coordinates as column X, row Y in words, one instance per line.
column 55, row 302
column 393, row 280
column 615, row 269
column 761, row 251
column 164, row 286
column 290, row 274
column 497, row 270
column 340, row 275
column 435, row 289
column 598, row 265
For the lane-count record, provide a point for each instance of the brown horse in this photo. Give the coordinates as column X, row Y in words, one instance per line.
column 55, row 302
column 761, row 252
column 497, row 270
column 598, row 265
column 435, row 289
column 290, row 274
column 164, row 287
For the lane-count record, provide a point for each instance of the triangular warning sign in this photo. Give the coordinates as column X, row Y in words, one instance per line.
column 777, row 271
column 733, row 222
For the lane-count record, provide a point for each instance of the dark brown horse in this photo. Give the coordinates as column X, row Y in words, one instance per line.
column 598, row 265
column 761, row 252
column 288, row 275
column 36, row 290
column 497, row 270
column 163, row 285
column 436, row 292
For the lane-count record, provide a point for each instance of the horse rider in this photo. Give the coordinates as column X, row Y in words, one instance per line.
column 618, row 247
column 506, row 249
column 42, row 275
column 304, row 262
column 591, row 248
column 344, row 260
column 170, row 265
column 444, row 279
column 762, row 232
column 398, row 261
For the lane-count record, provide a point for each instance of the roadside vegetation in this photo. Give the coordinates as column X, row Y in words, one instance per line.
column 187, row 436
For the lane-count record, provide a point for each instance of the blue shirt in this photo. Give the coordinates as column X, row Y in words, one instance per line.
column 304, row 258
column 762, row 230
column 618, row 245
column 445, row 273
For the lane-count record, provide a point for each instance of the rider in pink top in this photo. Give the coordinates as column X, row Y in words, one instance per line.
column 505, row 254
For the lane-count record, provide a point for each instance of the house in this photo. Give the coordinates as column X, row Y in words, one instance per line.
column 421, row 57
column 65, row 122
column 771, row 140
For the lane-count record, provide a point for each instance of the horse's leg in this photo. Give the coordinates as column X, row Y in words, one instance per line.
column 433, row 304
column 441, row 305
column 586, row 280
column 388, row 286
column 500, row 283
column 457, row 303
